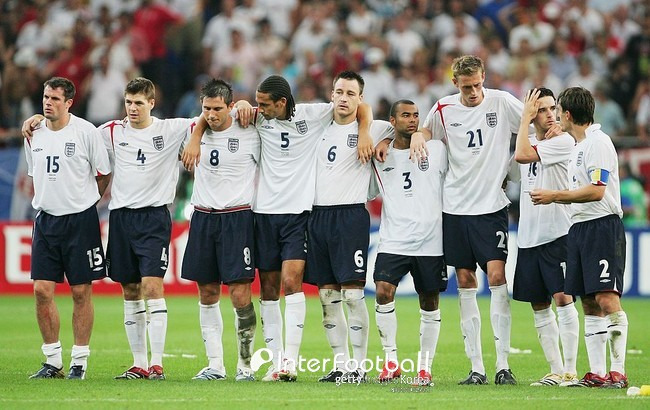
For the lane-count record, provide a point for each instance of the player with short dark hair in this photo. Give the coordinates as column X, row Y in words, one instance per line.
column 596, row 241
column 410, row 239
column 221, row 229
column 69, row 166
column 338, row 229
column 542, row 236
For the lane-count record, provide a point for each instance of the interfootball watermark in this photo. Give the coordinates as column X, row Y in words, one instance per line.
column 350, row 369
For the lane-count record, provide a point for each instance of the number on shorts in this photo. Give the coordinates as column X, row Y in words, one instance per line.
column 502, row 239
column 605, row 265
column 247, row 256
column 563, row 266
column 163, row 256
column 94, row 257
column 358, row 258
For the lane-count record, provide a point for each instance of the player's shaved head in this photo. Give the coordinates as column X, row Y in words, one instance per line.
column 394, row 109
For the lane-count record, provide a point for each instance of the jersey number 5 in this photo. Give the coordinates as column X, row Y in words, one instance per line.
column 284, row 136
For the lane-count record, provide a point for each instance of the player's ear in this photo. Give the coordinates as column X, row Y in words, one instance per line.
column 392, row 121
column 152, row 102
column 68, row 103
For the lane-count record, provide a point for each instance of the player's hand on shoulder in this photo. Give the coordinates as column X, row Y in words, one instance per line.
column 418, row 147
column 381, row 150
column 364, row 147
column 245, row 112
column 30, row 124
column 554, row 131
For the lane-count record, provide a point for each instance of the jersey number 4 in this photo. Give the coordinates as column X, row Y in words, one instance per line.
column 141, row 157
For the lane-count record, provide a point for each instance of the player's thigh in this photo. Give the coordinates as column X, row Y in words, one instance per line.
column 429, row 274
column 488, row 236
column 121, row 261
column 574, row 279
column 153, row 229
column 457, row 248
column 200, row 259
column 82, row 252
column 267, row 242
column 46, row 260
column 529, row 284
column 236, row 247
column 603, row 259
column 391, row 268
column 348, row 246
column 318, row 269
column 553, row 262
column 293, row 237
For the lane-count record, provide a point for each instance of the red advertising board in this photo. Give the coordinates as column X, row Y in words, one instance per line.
column 15, row 257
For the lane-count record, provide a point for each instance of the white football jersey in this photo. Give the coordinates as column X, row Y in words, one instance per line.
column 478, row 146
column 287, row 166
column 540, row 224
column 596, row 152
column 411, row 212
column 225, row 176
column 340, row 177
column 145, row 161
column 64, row 165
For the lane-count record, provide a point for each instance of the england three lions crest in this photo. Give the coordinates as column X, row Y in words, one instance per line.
column 301, row 127
column 423, row 164
column 491, row 119
column 158, row 143
column 353, row 140
column 69, row 149
column 233, row 144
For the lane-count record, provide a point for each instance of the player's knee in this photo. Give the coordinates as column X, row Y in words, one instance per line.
column 292, row 285
column 590, row 306
column 609, row 302
column 240, row 294
column 153, row 289
column 385, row 293
column 43, row 293
column 131, row 291
column 80, row 294
column 562, row 299
column 429, row 301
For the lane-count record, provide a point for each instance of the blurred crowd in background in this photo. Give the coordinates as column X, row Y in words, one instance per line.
column 402, row 48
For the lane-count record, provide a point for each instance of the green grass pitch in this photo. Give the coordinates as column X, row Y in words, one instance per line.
column 20, row 355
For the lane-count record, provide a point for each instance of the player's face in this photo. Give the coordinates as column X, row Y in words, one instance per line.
column 217, row 113
column 346, row 97
column 55, row 105
column 545, row 113
column 471, row 88
column 565, row 124
column 406, row 120
column 138, row 109
column 271, row 109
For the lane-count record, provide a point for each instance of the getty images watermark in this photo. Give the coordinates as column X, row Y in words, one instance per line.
column 313, row 365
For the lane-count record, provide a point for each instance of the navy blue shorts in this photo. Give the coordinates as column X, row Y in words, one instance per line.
column 220, row 248
column 337, row 244
column 280, row 238
column 138, row 243
column 475, row 239
column 70, row 245
column 540, row 271
column 596, row 257
column 429, row 272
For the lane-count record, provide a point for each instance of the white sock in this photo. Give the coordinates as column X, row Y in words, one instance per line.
column 335, row 326
column 617, row 337
column 548, row 334
column 245, row 325
column 294, row 319
column 79, row 356
column 52, row 352
column 135, row 323
column 272, row 329
column 358, row 323
column 387, row 326
column 429, row 332
column 596, row 343
column 212, row 331
column 501, row 322
column 157, row 329
column 470, row 326
column 569, row 326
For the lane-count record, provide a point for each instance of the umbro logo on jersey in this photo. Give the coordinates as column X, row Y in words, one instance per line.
column 579, row 160
column 353, row 140
column 69, row 149
column 491, row 119
column 202, row 142
column 455, row 124
column 423, row 164
column 123, row 144
column 605, row 280
column 158, row 142
column 301, row 127
column 267, row 127
column 233, row 144
column 388, row 169
column 37, row 150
